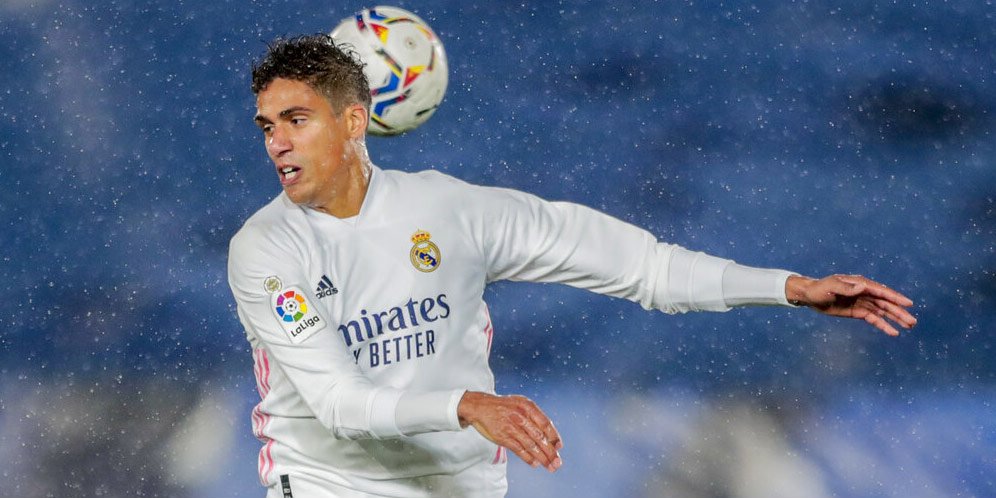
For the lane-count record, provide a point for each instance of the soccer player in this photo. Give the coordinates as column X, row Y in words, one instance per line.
column 360, row 290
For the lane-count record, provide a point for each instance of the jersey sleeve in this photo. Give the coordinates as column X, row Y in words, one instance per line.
column 526, row 238
column 264, row 279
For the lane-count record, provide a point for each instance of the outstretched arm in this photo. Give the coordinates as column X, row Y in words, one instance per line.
column 852, row 296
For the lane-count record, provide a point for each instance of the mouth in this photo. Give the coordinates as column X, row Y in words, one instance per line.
column 288, row 174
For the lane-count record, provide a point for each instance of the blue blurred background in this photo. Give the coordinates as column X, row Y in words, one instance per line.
column 816, row 136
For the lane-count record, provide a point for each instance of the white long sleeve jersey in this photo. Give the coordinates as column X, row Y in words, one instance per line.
column 367, row 331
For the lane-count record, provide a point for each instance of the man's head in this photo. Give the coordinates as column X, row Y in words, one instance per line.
column 312, row 104
column 332, row 70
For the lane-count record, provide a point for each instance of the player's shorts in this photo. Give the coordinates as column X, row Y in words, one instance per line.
column 301, row 486
column 491, row 479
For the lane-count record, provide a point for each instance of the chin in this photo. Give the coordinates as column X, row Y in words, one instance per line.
column 296, row 197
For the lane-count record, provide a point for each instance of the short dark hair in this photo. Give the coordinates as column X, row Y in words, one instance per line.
column 333, row 70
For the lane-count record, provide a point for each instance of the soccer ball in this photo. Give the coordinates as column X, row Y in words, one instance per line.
column 405, row 66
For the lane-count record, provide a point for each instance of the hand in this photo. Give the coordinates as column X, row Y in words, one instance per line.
column 516, row 423
column 852, row 296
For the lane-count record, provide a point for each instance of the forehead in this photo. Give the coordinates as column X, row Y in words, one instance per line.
column 283, row 94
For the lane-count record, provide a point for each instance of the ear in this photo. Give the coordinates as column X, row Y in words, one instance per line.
column 356, row 120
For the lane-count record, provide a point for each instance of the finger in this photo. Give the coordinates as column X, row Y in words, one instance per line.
column 521, row 452
column 528, row 436
column 890, row 310
column 893, row 318
column 879, row 290
column 543, row 422
column 870, row 315
column 541, row 429
column 840, row 285
column 826, row 290
column 880, row 323
column 547, row 456
column 895, row 313
column 553, row 435
column 528, row 449
column 540, row 443
column 883, row 292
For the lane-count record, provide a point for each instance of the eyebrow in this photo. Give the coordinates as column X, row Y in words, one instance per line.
column 259, row 119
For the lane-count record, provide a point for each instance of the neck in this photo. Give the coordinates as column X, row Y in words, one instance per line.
column 351, row 189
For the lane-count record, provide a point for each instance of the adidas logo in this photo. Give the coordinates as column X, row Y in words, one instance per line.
column 325, row 288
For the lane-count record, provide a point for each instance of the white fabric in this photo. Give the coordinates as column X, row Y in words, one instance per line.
column 382, row 349
column 416, row 412
column 743, row 285
column 690, row 281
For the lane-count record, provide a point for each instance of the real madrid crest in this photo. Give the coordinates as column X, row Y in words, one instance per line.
column 425, row 254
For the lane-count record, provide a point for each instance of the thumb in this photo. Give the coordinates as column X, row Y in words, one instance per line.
column 846, row 287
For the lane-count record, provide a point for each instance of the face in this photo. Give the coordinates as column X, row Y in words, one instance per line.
column 307, row 140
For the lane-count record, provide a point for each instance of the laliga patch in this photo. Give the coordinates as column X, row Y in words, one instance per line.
column 296, row 314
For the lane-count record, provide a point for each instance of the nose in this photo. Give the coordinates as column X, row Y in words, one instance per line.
column 278, row 142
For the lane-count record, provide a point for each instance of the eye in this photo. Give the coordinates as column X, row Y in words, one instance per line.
column 298, row 120
column 267, row 129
